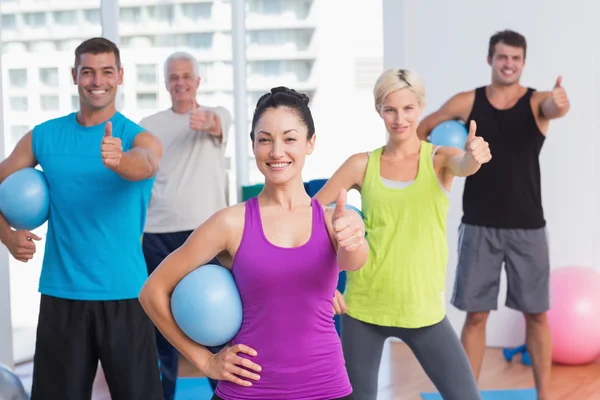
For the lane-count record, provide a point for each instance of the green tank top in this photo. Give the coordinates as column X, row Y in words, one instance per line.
column 403, row 282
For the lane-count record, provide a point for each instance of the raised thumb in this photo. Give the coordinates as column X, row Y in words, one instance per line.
column 558, row 82
column 340, row 204
column 108, row 129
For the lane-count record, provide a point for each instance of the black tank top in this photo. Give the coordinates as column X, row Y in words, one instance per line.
column 506, row 192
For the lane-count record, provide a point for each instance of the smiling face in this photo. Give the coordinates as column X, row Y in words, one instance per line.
column 507, row 64
column 281, row 145
column 182, row 83
column 401, row 111
column 97, row 77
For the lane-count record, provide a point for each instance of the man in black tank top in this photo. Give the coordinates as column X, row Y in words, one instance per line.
column 503, row 221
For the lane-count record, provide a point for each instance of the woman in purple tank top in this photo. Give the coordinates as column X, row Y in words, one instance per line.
column 285, row 251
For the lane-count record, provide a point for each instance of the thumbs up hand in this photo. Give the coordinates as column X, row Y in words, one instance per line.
column 348, row 226
column 476, row 147
column 559, row 95
column 111, row 148
column 197, row 118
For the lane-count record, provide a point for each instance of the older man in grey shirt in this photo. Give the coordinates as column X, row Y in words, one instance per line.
column 191, row 184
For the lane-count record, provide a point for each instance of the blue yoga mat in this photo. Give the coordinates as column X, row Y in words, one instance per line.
column 193, row 389
column 513, row 394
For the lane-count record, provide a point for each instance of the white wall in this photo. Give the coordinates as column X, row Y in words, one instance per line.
column 446, row 43
column 343, row 111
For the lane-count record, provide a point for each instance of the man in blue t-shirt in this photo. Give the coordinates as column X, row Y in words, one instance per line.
column 100, row 167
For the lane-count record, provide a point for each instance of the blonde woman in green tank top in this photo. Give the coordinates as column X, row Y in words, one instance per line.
column 400, row 292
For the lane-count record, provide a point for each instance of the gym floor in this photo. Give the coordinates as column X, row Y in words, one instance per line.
column 402, row 378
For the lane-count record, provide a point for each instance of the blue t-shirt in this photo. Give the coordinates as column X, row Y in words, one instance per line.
column 93, row 249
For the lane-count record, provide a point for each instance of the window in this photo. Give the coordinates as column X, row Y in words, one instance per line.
column 273, row 7
column 34, row 20
column 9, row 22
column 92, row 16
column 39, row 38
column 169, row 40
column 49, row 103
column 196, row 11
column 162, row 13
column 268, row 68
column 68, row 45
column 147, row 73
column 49, row 77
column 65, row 18
column 133, row 42
column 130, row 15
column 269, row 37
column 17, row 78
column 19, row 103
column 200, row 40
column 147, row 100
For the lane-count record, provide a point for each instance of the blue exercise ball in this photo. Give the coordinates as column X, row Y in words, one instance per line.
column 351, row 207
column 449, row 133
column 24, row 199
column 206, row 305
column 11, row 387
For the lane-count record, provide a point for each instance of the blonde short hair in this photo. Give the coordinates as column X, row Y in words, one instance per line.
column 397, row 79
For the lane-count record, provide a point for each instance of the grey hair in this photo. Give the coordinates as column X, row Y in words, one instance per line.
column 181, row 55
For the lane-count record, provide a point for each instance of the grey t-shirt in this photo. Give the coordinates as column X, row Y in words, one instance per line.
column 191, row 183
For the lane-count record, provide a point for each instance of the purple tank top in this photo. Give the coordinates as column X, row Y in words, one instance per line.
column 287, row 296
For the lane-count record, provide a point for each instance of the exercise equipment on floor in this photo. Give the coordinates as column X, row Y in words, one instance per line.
column 193, row 389
column 574, row 315
column 510, row 353
column 206, row 305
column 511, row 394
column 449, row 133
column 24, row 199
column 11, row 387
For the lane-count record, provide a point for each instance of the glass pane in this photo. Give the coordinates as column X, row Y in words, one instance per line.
column 147, row 101
column 49, row 103
column 146, row 73
column 19, row 103
column 49, row 76
column 38, row 43
column 17, row 78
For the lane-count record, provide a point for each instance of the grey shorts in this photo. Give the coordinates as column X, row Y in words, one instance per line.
column 481, row 253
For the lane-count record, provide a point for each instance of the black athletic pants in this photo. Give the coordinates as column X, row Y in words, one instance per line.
column 73, row 335
column 156, row 247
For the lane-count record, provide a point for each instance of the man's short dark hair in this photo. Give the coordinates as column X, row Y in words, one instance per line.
column 97, row 45
column 508, row 37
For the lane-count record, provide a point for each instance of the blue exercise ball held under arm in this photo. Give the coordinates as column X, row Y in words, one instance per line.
column 449, row 133
column 206, row 305
column 24, row 199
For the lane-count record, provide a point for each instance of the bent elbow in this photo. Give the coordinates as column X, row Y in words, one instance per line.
column 145, row 296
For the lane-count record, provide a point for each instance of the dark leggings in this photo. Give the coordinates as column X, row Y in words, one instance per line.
column 436, row 347
column 156, row 247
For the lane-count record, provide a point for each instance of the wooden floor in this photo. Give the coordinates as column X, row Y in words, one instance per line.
column 402, row 378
